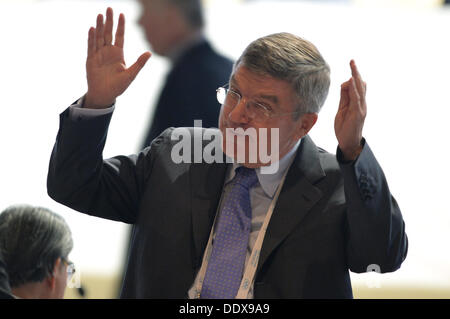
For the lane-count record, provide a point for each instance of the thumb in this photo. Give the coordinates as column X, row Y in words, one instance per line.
column 138, row 65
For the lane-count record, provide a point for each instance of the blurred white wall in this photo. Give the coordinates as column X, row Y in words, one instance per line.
column 402, row 53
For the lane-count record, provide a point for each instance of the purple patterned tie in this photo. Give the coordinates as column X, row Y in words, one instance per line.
column 224, row 273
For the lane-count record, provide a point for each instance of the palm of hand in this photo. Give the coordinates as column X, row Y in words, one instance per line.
column 107, row 74
column 349, row 121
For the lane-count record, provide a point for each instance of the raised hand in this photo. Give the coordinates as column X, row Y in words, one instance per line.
column 107, row 74
column 349, row 121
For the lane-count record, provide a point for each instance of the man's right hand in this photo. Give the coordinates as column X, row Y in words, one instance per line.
column 107, row 75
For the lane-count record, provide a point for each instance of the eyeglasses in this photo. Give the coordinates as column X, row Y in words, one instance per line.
column 254, row 110
column 70, row 268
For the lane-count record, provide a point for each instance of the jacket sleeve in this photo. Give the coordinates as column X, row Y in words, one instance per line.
column 376, row 231
column 80, row 178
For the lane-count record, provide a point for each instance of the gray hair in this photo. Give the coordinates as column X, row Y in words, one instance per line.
column 288, row 57
column 31, row 240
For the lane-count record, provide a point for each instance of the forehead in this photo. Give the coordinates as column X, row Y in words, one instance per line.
column 253, row 84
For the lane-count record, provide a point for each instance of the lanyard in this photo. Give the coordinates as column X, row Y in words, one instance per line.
column 252, row 263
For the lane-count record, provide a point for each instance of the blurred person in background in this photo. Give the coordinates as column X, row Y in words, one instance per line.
column 35, row 244
column 174, row 29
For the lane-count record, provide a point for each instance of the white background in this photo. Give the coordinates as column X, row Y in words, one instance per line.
column 403, row 53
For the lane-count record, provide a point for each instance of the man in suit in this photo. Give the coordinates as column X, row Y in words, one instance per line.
column 219, row 230
column 174, row 29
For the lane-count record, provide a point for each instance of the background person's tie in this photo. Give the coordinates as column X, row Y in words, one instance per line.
column 224, row 272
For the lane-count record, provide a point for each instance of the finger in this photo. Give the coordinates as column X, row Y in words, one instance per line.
column 358, row 80
column 120, row 32
column 91, row 42
column 138, row 65
column 343, row 102
column 100, row 41
column 353, row 93
column 109, row 26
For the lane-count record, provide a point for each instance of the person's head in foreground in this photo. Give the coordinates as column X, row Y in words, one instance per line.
column 35, row 243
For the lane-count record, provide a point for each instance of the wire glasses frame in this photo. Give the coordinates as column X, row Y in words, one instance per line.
column 254, row 110
column 70, row 268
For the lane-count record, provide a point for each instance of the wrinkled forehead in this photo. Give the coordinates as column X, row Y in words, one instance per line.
column 254, row 84
column 242, row 72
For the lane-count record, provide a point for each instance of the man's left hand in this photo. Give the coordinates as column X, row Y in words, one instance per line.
column 349, row 121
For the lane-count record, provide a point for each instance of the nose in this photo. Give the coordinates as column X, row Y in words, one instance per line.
column 239, row 113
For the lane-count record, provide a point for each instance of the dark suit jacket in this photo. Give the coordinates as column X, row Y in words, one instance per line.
column 190, row 91
column 330, row 218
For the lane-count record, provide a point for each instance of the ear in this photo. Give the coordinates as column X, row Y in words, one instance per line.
column 306, row 122
column 51, row 280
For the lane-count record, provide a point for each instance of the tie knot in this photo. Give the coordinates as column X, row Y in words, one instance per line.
column 245, row 177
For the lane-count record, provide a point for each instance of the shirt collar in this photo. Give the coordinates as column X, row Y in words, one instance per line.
column 270, row 182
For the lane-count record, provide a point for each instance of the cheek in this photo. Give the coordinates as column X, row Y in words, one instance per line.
column 279, row 138
column 288, row 138
column 61, row 286
column 222, row 120
column 151, row 25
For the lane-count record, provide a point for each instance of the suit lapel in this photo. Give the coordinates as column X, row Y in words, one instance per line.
column 296, row 199
column 206, row 189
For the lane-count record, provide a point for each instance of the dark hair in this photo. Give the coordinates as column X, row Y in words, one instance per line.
column 31, row 240
column 192, row 10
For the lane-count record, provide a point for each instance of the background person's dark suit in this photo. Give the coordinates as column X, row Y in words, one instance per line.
column 317, row 232
column 189, row 92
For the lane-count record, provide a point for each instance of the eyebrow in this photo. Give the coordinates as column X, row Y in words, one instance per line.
column 272, row 98
column 232, row 81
